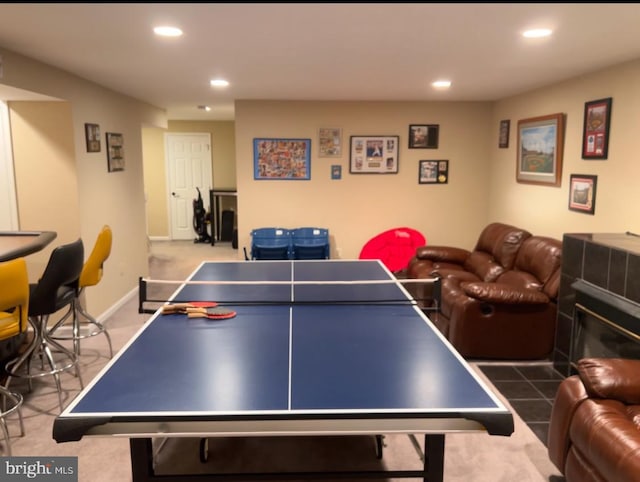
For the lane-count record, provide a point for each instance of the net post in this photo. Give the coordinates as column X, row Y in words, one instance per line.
column 142, row 294
column 437, row 293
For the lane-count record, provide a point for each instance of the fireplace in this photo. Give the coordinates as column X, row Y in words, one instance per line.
column 599, row 299
column 605, row 324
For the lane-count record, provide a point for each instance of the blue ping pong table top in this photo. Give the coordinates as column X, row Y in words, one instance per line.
column 293, row 352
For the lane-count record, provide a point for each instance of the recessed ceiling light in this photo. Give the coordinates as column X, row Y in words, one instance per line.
column 167, row 31
column 537, row 33
column 204, row 107
column 219, row 83
column 441, row 84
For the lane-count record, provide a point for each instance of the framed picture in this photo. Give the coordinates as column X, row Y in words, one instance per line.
column 503, row 138
column 540, row 147
column 582, row 193
column 336, row 172
column 288, row 159
column 595, row 132
column 374, row 155
column 433, row 172
column 92, row 136
column 330, row 142
column 423, row 136
column 115, row 152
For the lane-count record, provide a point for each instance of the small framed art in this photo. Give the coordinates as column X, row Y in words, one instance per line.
column 284, row 159
column 582, row 193
column 92, row 136
column 503, row 138
column 329, row 142
column 595, row 133
column 423, row 136
column 433, row 172
column 374, row 155
column 336, row 172
column 115, row 152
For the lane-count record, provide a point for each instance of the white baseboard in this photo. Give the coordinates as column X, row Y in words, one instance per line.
column 159, row 238
column 117, row 305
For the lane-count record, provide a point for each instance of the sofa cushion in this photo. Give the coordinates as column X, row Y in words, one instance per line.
column 502, row 241
column 483, row 265
column 540, row 256
column 520, row 279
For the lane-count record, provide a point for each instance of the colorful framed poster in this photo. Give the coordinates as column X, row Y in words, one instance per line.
column 374, row 155
column 336, row 172
column 582, row 193
column 433, row 172
column 285, row 159
column 595, row 132
column 540, row 147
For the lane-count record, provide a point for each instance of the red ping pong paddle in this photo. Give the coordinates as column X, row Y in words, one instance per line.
column 213, row 313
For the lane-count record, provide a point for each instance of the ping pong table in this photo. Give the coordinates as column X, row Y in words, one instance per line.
column 322, row 355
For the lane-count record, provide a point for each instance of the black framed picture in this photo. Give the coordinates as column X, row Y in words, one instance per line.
column 423, row 136
column 433, row 172
column 582, row 193
column 595, row 133
column 92, row 136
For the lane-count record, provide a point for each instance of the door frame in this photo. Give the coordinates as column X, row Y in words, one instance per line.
column 168, row 171
column 9, row 209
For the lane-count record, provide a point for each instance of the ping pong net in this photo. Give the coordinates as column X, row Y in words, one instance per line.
column 153, row 293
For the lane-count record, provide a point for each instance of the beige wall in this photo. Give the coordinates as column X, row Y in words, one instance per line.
column 114, row 198
column 223, row 168
column 155, row 182
column 359, row 206
column 45, row 174
column 543, row 210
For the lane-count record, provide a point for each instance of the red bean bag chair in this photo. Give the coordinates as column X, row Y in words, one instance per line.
column 394, row 248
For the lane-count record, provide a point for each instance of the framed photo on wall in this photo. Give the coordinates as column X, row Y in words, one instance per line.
column 329, row 142
column 540, row 148
column 115, row 152
column 374, row 155
column 423, row 136
column 433, row 172
column 582, row 193
column 595, row 132
column 281, row 158
column 92, row 136
column 503, row 137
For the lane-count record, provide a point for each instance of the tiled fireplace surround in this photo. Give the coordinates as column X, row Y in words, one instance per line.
column 610, row 261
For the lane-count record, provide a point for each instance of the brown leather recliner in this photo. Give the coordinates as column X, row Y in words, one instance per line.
column 495, row 252
column 594, row 431
column 510, row 317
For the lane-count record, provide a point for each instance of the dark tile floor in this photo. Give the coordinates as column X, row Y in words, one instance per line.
column 530, row 389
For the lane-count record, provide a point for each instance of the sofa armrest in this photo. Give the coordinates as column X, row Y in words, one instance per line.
column 570, row 395
column 503, row 293
column 614, row 378
column 442, row 253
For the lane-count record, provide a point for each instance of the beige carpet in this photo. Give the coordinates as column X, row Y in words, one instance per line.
column 468, row 457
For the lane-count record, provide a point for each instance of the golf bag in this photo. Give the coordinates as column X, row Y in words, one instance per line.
column 200, row 220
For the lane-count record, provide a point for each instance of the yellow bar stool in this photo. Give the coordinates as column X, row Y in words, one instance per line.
column 14, row 313
column 90, row 276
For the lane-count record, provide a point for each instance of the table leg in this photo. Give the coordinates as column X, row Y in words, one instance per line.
column 141, row 450
column 434, row 457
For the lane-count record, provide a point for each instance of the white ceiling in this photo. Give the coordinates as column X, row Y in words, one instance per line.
column 320, row 51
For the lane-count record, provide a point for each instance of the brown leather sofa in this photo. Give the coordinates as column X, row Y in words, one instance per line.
column 498, row 301
column 594, row 431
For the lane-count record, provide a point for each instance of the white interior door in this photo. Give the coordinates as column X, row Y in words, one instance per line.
column 188, row 167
